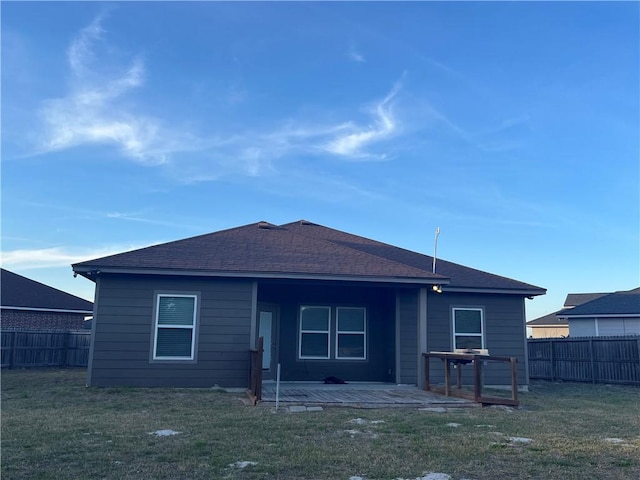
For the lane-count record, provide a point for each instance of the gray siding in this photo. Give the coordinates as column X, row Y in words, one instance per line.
column 407, row 309
column 504, row 326
column 124, row 327
column 582, row 327
column 379, row 302
column 604, row 327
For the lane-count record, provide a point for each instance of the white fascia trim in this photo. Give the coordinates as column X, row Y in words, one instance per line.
column 611, row 315
column 262, row 275
column 56, row 310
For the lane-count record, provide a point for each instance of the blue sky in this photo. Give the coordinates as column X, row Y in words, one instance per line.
column 514, row 127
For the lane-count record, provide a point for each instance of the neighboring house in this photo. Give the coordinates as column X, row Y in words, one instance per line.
column 548, row 326
column 326, row 302
column 551, row 325
column 617, row 313
column 30, row 305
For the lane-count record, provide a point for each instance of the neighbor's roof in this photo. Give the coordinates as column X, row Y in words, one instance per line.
column 575, row 299
column 301, row 250
column 572, row 300
column 550, row 319
column 623, row 303
column 22, row 293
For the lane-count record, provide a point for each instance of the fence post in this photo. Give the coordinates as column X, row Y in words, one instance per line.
column 63, row 360
column 14, row 342
column 593, row 368
column 552, row 360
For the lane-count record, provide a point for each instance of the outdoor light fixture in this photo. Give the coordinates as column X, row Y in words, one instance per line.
column 437, row 288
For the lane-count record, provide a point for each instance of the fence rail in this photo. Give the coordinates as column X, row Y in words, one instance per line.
column 44, row 348
column 586, row 359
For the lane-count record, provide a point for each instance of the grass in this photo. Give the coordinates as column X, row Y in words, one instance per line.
column 55, row 428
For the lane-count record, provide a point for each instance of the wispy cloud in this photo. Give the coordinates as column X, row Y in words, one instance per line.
column 139, row 217
column 26, row 259
column 97, row 110
column 352, row 143
column 354, row 55
column 93, row 110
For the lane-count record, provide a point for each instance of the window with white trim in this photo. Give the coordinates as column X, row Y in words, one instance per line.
column 175, row 325
column 332, row 333
column 315, row 324
column 468, row 328
column 351, row 333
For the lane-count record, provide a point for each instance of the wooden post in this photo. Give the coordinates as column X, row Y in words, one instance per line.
column 447, row 377
column 477, row 379
column 552, row 360
column 514, row 379
column 65, row 351
column 593, row 366
column 14, row 344
column 258, row 391
column 255, row 372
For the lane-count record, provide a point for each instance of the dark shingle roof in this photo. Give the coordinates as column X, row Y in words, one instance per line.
column 459, row 275
column 572, row 300
column 617, row 303
column 301, row 249
column 22, row 292
column 549, row 319
column 575, row 299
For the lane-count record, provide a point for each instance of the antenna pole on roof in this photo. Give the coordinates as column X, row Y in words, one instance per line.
column 435, row 250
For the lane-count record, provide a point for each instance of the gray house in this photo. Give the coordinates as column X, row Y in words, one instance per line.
column 328, row 303
column 555, row 324
column 610, row 314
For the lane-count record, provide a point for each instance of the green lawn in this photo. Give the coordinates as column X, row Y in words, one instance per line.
column 54, row 427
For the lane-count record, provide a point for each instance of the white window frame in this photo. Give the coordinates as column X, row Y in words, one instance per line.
column 363, row 333
column 466, row 334
column 301, row 331
column 191, row 327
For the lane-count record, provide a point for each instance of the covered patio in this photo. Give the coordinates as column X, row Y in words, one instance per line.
column 358, row 395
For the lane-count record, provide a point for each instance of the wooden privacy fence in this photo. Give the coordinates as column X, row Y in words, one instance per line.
column 45, row 348
column 586, row 359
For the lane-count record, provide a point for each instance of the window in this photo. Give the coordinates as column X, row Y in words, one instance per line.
column 467, row 328
column 314, row 332
column 333, row 333
column 350, row 333
column 175, row 325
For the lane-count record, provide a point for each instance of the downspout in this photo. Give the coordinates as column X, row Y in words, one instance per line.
column 398, row 363
column 94, row 321
column 254, row 316
column 526, row 346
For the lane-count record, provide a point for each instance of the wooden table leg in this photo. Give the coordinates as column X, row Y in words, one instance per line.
column 477, row 379
column 447, row 377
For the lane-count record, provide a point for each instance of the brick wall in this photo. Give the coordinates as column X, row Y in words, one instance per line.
column 29, row 320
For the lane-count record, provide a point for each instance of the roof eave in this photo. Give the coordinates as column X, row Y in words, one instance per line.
column 90, row 272
column 526, row 291
column 601, row 315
